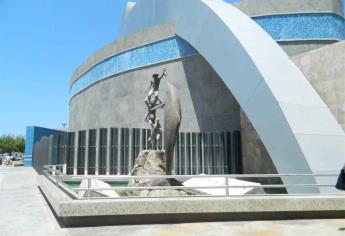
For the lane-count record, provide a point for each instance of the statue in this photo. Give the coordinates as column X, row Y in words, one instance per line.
column 153, row 161
column 156, row 133
column 153, row 103
column 152, row 100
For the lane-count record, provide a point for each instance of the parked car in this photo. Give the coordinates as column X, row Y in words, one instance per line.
column 16, row 158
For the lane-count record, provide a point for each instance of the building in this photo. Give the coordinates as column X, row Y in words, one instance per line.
column 262, row 87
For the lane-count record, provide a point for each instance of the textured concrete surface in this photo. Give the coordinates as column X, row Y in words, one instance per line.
column 255, row 228
column 271, row 7
column 254, row 154
column 293, row 48
column 325, row 70
column 24, row 212
column 207, row 105
column 23, row 209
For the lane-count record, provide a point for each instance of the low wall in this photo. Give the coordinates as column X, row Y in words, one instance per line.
column 188, row 209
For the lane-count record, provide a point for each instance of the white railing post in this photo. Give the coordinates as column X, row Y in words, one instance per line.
column 57, row 180
column 64, row 168
column 54, row 171
column 89, row 189
column 227, row 186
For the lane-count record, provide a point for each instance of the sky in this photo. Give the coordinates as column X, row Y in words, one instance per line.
column 42, row 42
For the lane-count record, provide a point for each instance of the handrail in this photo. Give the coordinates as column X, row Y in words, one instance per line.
column 53, row 173
column 207, row 187
column 198, row 176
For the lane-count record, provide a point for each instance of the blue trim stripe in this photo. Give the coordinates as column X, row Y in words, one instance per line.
column 308, row 26
column 292, row 27
column 164, row 50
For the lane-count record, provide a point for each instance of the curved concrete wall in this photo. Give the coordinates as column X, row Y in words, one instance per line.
column 295, row 33
column 207, row 104
column 108, row 103
column 137, row 58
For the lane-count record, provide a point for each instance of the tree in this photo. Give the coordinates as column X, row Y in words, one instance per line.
column 11, row 143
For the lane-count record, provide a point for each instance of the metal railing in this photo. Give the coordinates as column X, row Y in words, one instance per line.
column 57, row 174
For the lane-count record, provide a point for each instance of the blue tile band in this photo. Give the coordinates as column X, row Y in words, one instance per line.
column 308, row 26
column 164, row 50
column 292, row 27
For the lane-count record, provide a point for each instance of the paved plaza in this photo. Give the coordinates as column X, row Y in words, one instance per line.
column 24, row 211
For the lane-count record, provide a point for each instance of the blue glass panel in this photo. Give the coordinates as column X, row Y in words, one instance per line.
column 33, row 135
column 29, row 139
column 29, row 143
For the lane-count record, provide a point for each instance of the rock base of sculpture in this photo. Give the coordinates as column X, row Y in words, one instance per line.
column 95, row 183
column 149, row 163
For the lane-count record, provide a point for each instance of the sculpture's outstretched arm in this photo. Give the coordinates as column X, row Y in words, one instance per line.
column 163, row 74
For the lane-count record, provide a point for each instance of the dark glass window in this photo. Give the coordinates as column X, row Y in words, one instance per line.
column 92, row 152
column 102, row 151
column 81, row 152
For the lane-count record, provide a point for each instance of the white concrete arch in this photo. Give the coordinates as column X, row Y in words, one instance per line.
column 295, row 125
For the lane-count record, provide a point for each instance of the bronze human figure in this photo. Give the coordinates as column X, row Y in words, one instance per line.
column 152, row 100
column 153, row 103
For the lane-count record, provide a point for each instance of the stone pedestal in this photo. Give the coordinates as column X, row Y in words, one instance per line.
column 148, row 163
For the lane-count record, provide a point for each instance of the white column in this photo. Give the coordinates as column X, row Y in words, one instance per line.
column 119, row 151
column 108, row 151
column 202, row 154
column 141, row 139
column 185, row 154
column 97, row 151
column 130, row 150
column 191, row 152
column 87, row 136
column 75, row 161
